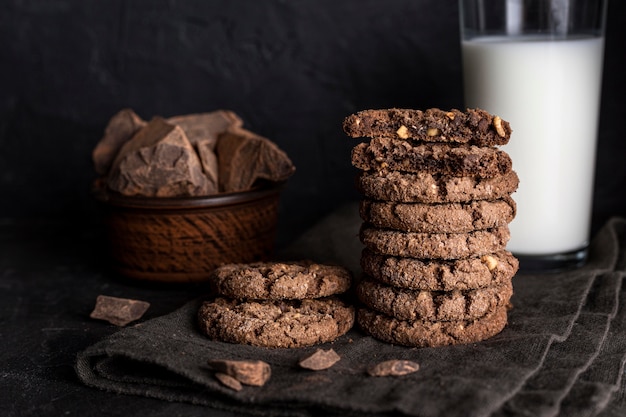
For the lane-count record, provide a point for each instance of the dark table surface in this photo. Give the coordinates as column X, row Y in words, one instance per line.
column 51, row 273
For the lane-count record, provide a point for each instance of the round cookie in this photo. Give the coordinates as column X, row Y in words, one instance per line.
column 280, row 280
column 423, row 333
column 434, row 245
column 438, row 218
column 434, row 158
column 440, row 275
column 423, row 187
column 285, row 323
column 433, row 305
column 474, row 126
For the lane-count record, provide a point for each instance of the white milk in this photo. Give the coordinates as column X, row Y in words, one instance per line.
column 549, row 91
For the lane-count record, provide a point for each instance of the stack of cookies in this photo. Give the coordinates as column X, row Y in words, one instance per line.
column 275, row 304
column 436, row 208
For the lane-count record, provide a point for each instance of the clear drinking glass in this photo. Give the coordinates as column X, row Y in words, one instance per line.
column 538, row 64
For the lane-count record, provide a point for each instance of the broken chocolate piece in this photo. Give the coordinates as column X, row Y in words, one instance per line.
column 247, row 372
column 118, row 311
column 206, row 127
column 245, row 157
column 321, row 359
column 159, row 161
column 228, row 381
column 121, row 127
column 208, row 159
column 202, row 130
column 393, row 368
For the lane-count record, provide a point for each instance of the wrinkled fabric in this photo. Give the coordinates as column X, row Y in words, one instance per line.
column 562, row 352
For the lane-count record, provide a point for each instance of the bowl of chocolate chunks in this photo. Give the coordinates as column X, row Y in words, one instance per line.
column 185, row 194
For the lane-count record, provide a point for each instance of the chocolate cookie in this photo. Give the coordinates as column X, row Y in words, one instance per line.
column 440, row 275
column 433, row 305
column 425, row 333
column 434, row 245
column 286, row 324
column 438, row 218
column 280, row 280
column 428, row 188
column 475, row 126
column 434, row 158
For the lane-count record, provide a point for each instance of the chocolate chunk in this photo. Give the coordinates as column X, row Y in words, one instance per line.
column 393, row 367
column 118, row 311
column 206, row 127
column 122, row 126
column 159, row 161
column 228, row 381
column 321, row 359
column 202, row 130
column 247, row 372
column 245, row 157
column 208, row 159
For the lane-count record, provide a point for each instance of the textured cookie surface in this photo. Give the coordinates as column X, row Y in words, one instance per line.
column 434, row 245
column 280, row 280
column 474, row 126
column 433, row 305
column 423, row 187
column 424, row 333
column 440, row 275
column 438, row 218
column 286, row 323
column 434, row 158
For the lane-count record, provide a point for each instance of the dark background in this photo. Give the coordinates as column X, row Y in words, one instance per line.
column 292, row 69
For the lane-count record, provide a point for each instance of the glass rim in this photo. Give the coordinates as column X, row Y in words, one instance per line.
column 557, row 19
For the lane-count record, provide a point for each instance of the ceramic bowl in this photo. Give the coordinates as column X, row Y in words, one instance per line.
column 185, row 239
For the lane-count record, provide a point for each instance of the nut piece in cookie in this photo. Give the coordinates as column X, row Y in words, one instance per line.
column 434, row 158
column 473, row 126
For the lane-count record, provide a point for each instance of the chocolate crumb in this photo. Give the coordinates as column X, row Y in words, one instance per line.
column 228, row 381
column 321, row 359
column 393, row 367
column 118, row 311
column 247, row 372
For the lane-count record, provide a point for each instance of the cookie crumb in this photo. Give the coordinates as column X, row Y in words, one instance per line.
column 118, row 311
column 247, row 372
column 321, row 359
column 393, row 367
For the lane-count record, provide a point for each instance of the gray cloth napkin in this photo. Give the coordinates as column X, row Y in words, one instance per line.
column 564, row 334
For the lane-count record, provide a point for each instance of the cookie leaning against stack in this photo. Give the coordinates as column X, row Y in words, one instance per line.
column 276, row 304
column 436, row 207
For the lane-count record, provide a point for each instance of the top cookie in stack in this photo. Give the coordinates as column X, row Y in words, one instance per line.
column 436, row 208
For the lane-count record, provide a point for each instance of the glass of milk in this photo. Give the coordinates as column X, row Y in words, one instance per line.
column 538, row 65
